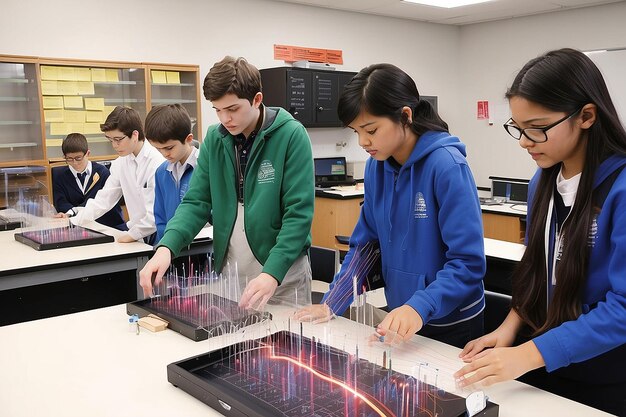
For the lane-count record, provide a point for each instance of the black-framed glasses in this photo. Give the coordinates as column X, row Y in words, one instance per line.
column 69, row 160
column 535, row 134
column 116, row 139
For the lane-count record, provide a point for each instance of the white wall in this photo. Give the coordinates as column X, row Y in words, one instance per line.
column 203, row 31
column 459, row 64
column 492, row 53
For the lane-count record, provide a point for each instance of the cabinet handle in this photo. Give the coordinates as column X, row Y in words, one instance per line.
column 320, row 108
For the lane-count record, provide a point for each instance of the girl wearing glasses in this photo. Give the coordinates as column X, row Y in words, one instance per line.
column 566, row 331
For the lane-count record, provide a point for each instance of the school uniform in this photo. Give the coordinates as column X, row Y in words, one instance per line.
column 586, row 356
column 172, row 182
column 132, row 177
column 72, row 189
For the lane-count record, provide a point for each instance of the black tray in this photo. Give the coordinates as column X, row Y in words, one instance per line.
column 62, row 237
column 193, row 324
column 288, row 375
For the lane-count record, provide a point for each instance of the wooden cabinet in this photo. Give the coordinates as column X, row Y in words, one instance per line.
column 503, row 227
column 334, row 217
column 44, row 99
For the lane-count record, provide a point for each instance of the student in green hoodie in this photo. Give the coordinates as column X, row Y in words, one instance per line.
column 254, row 183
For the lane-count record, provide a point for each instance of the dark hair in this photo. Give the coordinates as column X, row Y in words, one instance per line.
column 563, row 81
column 124, row 119
column 167, row 122
column 74, row 142
column 232, row 76
column 383, row 90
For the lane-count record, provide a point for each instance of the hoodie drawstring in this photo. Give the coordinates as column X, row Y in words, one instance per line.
column 411, row 208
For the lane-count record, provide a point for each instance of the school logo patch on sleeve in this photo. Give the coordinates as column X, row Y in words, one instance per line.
column 266, row 172
column 420, row 207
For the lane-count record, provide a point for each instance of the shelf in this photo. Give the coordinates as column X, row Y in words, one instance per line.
column 173, row 85
column 123, row 100
column 14, row 99
column 15, row 122
column 19, row 145
column 172, row 101
column 115, row 82
column 14, row 80
column 54, row 142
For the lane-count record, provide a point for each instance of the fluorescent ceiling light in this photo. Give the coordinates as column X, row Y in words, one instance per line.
column 448, row 4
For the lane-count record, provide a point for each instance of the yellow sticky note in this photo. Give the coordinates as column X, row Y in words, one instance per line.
column 75, row 127
column 54, row 142
column 159, row 77
column 67, row 73
column 73, row 102
column 83, row 74
column 49, row 73
column 173, row 77
column 112, row 75
column 92, row 129
column 58, row 129
column 94, row 116
column 74, row 116
column 85, row 87
column 98, row 74
column 49, row 87
column 94, row 103
column 52, row 102
column 68, row 88
column 108, row 110
column 53, row 116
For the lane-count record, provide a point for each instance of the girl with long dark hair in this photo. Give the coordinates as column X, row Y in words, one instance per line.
column 420, row 206
column 567, row 323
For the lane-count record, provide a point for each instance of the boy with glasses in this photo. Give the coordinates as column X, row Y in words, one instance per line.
column 132, row 177
column 80, row 180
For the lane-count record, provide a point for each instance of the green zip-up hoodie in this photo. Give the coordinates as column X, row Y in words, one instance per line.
column 279, row 195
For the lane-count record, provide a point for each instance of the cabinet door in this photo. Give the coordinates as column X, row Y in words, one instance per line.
column 299, row 102
column 170, row 86
column 78, row 98
column 20, row 114
column 325, row 97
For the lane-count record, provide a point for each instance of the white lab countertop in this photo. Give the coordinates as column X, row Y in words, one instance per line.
column 23, row 257
column 505, row 208
column 90, row 364
column 504, row 250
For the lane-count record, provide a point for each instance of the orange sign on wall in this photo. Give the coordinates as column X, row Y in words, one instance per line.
column 299, row 53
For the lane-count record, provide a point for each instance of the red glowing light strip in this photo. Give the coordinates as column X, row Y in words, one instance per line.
column 341, row 384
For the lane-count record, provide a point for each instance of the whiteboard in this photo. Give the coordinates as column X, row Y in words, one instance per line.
column 612, row 64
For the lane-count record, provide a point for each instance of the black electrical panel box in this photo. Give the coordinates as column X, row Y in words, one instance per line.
column 310, row 95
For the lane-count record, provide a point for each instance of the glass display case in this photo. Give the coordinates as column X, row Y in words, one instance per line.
column 169, row 85
column 42, row 100
column 77, row 99
column 20, row 118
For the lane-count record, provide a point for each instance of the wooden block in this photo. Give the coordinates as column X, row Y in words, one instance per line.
column 153, row 323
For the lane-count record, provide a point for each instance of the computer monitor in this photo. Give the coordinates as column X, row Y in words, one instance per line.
column 330, row 170
column 510, row 190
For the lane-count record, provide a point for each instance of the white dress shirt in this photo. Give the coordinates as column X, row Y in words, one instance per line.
column 132, row 177
column 178, row 170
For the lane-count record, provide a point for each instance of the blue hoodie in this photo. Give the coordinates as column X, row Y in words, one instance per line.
column 168, row 195
column 427, row 219
column 602, row 326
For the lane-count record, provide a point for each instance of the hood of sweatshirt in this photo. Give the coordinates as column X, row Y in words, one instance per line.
column 404, row 175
